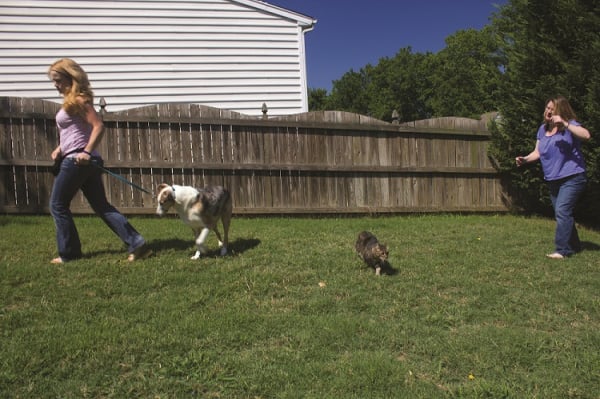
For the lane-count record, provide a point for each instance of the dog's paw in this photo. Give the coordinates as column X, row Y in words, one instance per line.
column 223, row 251
column 196, row 255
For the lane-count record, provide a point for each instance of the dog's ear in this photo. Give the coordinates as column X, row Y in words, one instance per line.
column 161, row 187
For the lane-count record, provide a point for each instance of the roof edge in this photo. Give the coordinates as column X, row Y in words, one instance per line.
column 303, row 20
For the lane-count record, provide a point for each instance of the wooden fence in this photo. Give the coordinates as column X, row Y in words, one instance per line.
column 314, row 163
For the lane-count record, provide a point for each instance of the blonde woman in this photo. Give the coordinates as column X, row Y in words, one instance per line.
column 80, row 131
column 558, row 148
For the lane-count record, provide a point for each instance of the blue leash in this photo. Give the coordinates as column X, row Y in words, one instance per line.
column 124, row 180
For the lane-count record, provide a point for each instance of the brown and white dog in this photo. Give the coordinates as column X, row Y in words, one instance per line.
column 200, row 209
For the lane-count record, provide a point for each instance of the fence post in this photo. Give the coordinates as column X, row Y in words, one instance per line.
column 395, row 117
column 103, row 145
column 264, row 111
column 102, row 104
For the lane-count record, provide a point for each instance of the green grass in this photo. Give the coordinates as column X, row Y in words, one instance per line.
column 292, row 313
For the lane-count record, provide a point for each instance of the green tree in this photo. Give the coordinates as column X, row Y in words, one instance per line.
column 317, row 99
column 349, row 93
column 401, row 84
column 466, row 75
column 461, row 80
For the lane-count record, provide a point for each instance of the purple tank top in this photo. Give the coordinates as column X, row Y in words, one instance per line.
column 74, row 132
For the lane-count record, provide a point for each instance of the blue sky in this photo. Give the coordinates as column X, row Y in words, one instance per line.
column 350, row 34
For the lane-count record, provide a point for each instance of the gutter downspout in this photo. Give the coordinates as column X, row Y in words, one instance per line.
column 303, row 71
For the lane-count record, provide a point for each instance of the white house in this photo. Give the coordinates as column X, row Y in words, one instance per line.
column 230, row 54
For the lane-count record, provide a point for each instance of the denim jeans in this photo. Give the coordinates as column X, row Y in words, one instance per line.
column 564, row 194
column 71, row 178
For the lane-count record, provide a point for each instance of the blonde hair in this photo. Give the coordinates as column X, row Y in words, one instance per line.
column 80, row 85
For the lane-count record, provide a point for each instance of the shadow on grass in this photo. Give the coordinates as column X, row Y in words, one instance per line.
column 386, row 269
column 235, row 248
column 389, row 270
column 589, row 246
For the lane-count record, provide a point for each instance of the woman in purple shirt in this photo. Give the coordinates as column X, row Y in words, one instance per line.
column 80, row 132
column 558, row 147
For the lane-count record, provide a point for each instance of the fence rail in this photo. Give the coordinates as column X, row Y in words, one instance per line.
column 317, row 162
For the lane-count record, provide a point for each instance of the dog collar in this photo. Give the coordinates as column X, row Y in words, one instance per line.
column 173, row 189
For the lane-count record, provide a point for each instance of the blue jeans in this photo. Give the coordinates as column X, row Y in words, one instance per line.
column 564, row 194
column 71, row 178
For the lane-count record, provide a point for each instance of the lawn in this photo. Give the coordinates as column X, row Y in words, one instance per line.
column 474, row 310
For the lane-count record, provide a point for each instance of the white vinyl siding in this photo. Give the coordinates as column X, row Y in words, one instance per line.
column 229, row 54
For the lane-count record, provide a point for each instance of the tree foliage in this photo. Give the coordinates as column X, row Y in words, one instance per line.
column 401, row 84
column 350, row 92
column 460, row 80
column 466, row 74
column 317, row 99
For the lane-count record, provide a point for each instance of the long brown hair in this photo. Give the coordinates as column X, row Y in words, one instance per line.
column 563, row 108
column 80, row 85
